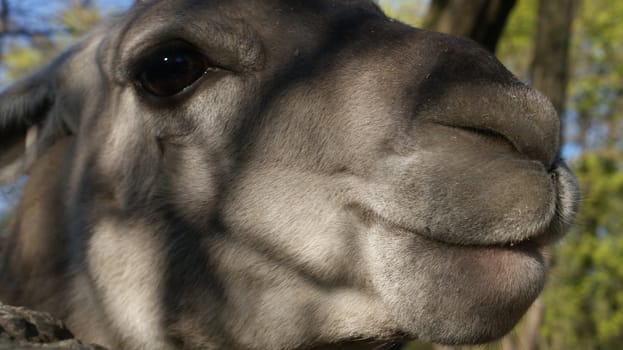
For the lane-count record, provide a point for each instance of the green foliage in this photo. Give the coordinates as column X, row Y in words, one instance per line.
column 22, row 57
column 410, row 12
column 78, row 19
column 596, row 91
column 584, row 296
column 20, row 60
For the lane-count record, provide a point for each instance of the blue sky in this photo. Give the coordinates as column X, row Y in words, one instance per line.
column 37, row 15
column 114, row 4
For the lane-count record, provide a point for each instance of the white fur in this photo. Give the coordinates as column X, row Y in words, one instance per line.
column 126, row 263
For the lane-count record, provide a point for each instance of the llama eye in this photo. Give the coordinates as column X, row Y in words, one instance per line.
column 169, row 71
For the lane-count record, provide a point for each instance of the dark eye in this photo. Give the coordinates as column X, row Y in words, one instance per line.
column 169, row 71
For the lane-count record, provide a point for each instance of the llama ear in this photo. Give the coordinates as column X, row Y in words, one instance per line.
column 28, row 119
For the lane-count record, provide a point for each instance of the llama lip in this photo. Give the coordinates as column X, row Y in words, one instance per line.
column 534, row 240
column 531, row 244
column 521, row 228
column 489, row 284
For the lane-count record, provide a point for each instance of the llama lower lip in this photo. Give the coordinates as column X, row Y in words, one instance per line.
column 486, row 284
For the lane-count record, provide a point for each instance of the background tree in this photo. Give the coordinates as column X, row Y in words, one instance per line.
column 587, row 268
column 25, row 48
column 481, row 20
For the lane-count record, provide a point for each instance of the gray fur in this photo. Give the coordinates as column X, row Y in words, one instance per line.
column 342, row 181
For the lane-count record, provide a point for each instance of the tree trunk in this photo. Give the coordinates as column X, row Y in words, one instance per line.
column 550, row 67
column 4, row 25
column 480, row 20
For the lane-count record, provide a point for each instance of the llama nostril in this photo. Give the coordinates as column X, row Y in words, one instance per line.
column 528, row 121
column 488, row 134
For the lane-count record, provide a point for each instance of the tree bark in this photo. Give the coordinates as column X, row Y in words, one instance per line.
column 480, row 20
column 549, row 74
column 550, row 67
